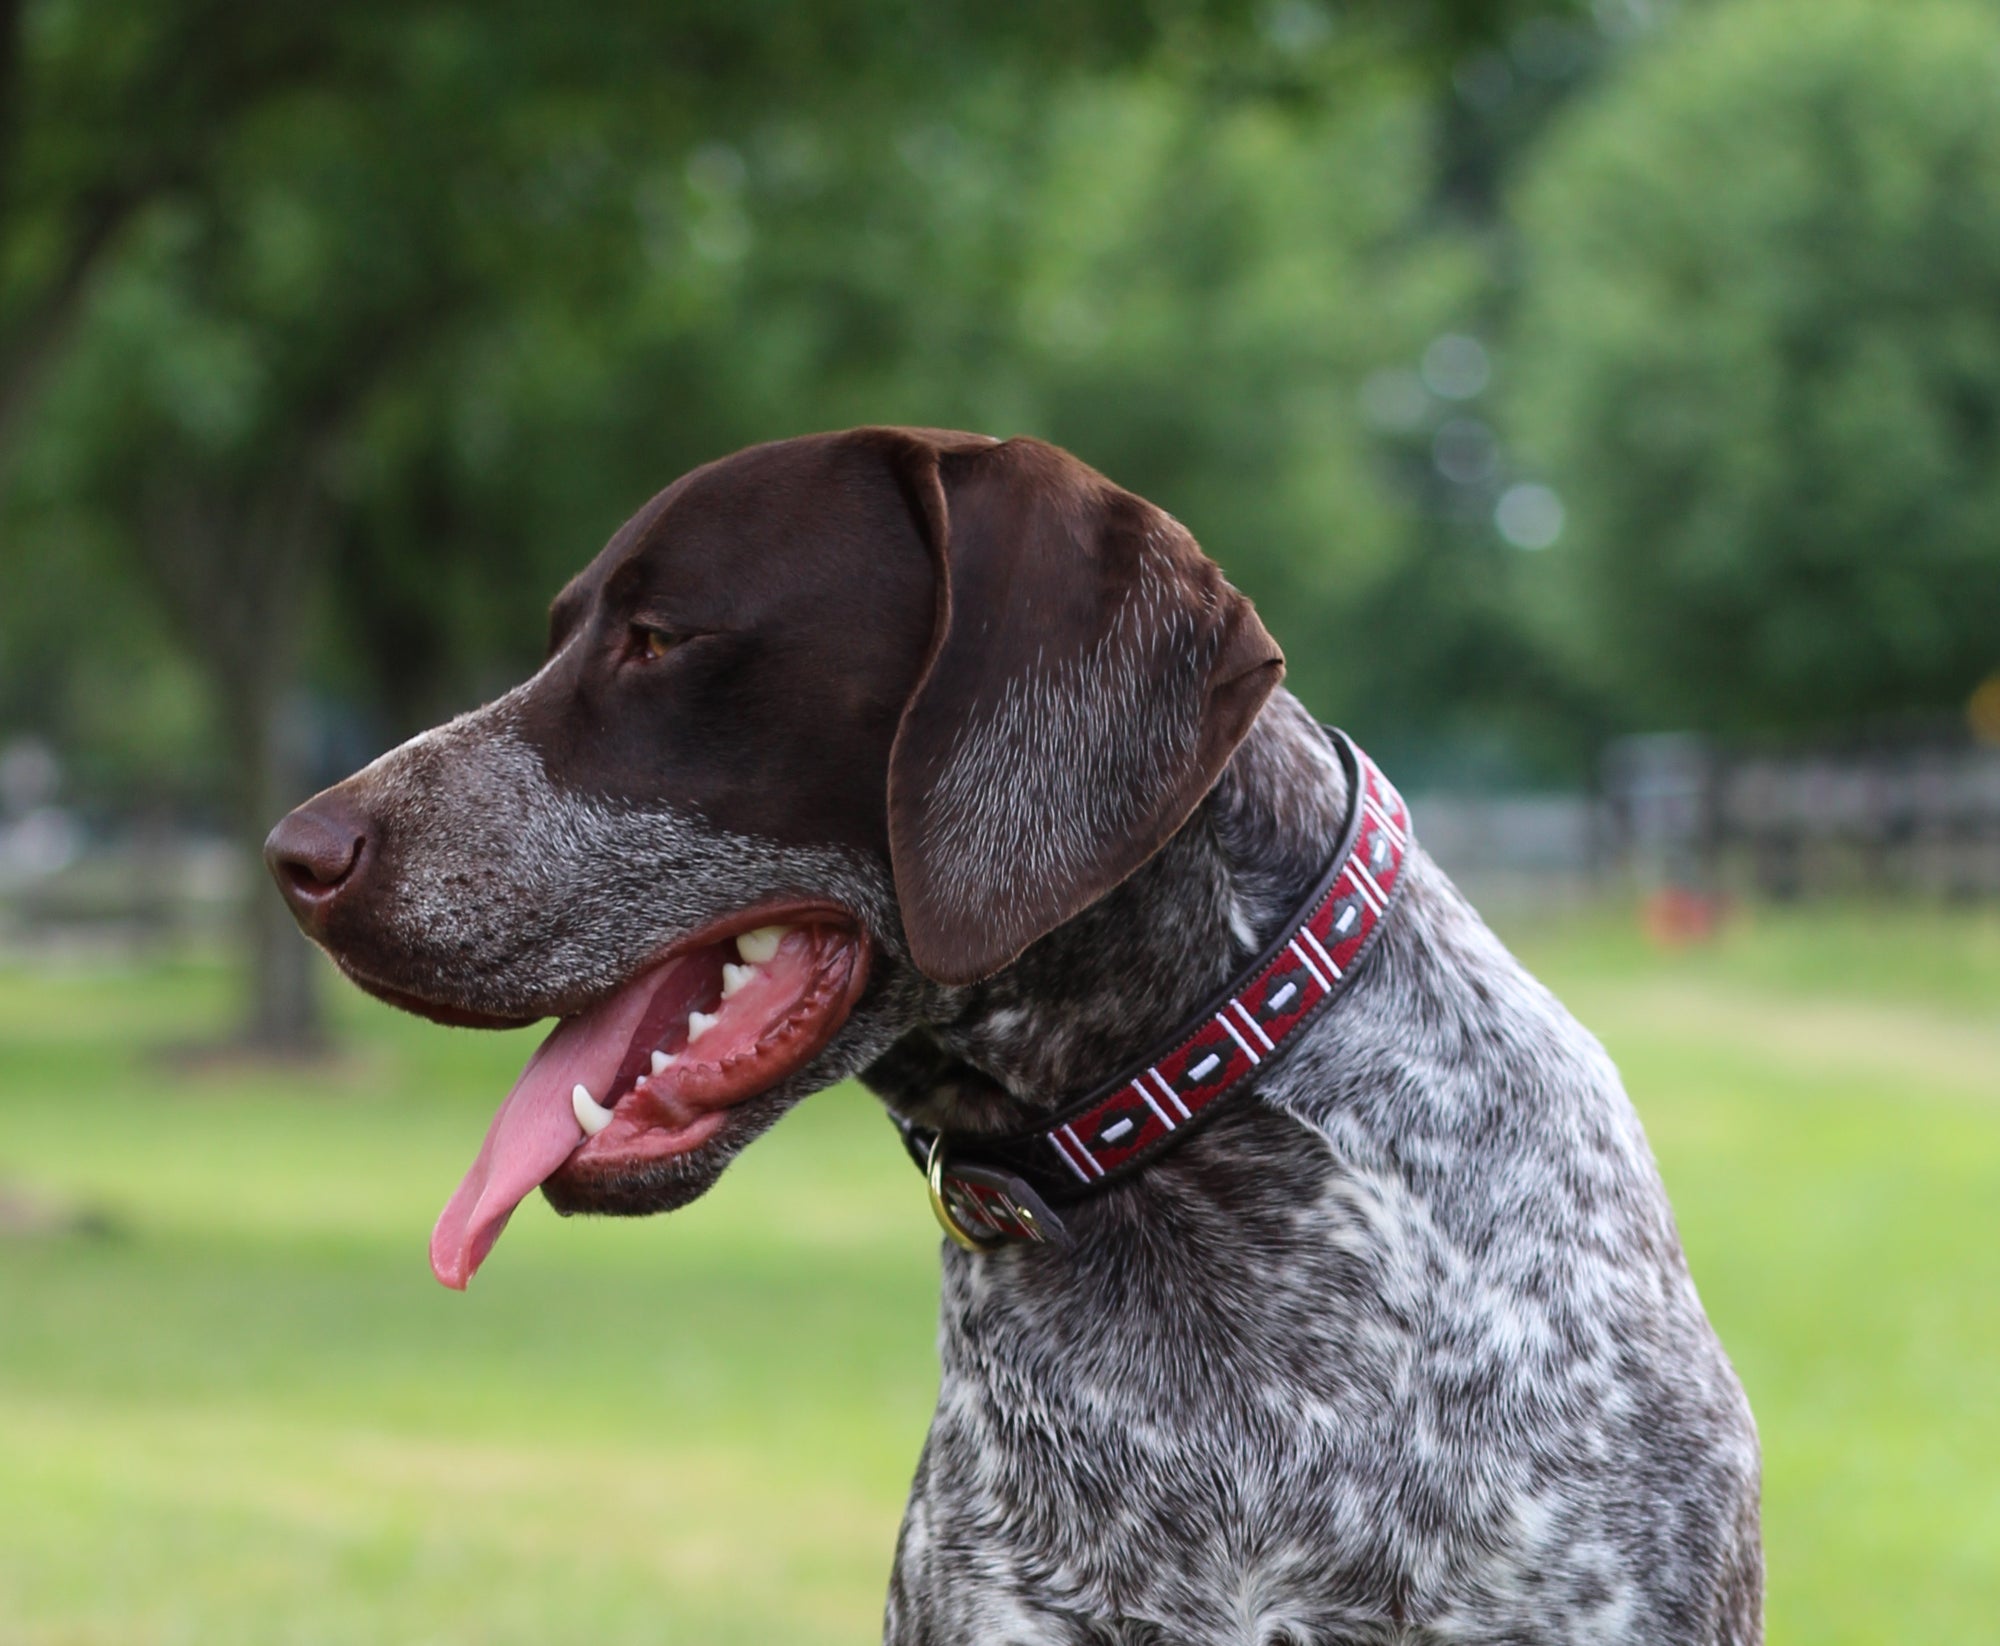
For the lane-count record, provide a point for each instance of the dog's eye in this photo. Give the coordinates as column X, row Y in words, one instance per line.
column 649, row 644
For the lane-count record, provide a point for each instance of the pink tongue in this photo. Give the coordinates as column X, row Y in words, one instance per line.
column 535, row 1130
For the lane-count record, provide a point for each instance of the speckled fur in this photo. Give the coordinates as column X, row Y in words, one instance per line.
column 1403, row 1350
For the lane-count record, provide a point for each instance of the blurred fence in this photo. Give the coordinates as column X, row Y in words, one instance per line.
column 86, row 881
column 1515, row 849
column 145, row 889
column 1918, row 816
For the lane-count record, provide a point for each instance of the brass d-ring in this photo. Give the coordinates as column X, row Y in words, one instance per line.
column 941, row 1207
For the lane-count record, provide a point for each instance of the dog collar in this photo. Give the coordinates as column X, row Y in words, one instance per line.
column 989, row 1191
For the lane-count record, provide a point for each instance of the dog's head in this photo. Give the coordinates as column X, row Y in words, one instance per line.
column 828, row 725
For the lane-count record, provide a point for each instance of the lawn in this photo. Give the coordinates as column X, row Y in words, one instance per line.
column 246, row 1414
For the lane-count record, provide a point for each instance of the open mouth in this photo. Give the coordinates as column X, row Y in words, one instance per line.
column 651, row 1071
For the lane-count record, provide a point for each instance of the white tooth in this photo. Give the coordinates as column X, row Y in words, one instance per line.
column 591, row 1115
column 734, row 977
column 662, row 1063
column 760, row 946
column 699, row 1023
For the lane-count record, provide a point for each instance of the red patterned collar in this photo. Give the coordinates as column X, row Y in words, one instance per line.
column 990, row 1190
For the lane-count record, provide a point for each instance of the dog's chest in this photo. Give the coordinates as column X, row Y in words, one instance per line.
column 1319, row 1420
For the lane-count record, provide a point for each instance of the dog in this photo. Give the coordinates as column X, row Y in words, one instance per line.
column 944, row 762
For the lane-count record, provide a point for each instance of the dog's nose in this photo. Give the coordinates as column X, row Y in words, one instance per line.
column 316, row 853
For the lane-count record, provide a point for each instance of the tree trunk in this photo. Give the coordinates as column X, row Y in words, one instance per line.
column 236, row 573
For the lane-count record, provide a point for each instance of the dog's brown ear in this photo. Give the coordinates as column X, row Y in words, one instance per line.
column 1089, row 676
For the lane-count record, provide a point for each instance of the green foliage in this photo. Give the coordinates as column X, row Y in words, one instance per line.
column 1200, row 292
column 1759, row 354
column 1183, row 288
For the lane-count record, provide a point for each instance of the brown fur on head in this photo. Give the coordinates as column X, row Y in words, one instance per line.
column 941, row 691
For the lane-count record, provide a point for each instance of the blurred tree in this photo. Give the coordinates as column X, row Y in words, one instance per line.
column 107, row 108
column 1200, row 285
column 1182, row 284
column 195, row 428
column 1467, row 690
column 1760, row 356
column 120, row 125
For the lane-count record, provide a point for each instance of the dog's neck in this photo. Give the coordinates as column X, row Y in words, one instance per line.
column 1094, row 996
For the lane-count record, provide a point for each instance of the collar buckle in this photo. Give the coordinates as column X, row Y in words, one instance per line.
column 981, row 1208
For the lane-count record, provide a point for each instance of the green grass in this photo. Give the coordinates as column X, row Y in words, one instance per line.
column 248, row 1415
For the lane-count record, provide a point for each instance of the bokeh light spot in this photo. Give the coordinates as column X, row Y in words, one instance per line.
column 1529, row 515
column 1456, row 367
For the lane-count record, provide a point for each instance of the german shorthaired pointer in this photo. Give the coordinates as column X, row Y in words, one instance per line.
column 1316, row 1283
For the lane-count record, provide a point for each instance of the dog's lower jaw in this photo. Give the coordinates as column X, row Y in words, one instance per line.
column 668, row 1184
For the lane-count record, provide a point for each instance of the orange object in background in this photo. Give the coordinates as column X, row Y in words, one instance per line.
column 1676, row 918
column 1982, row 710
